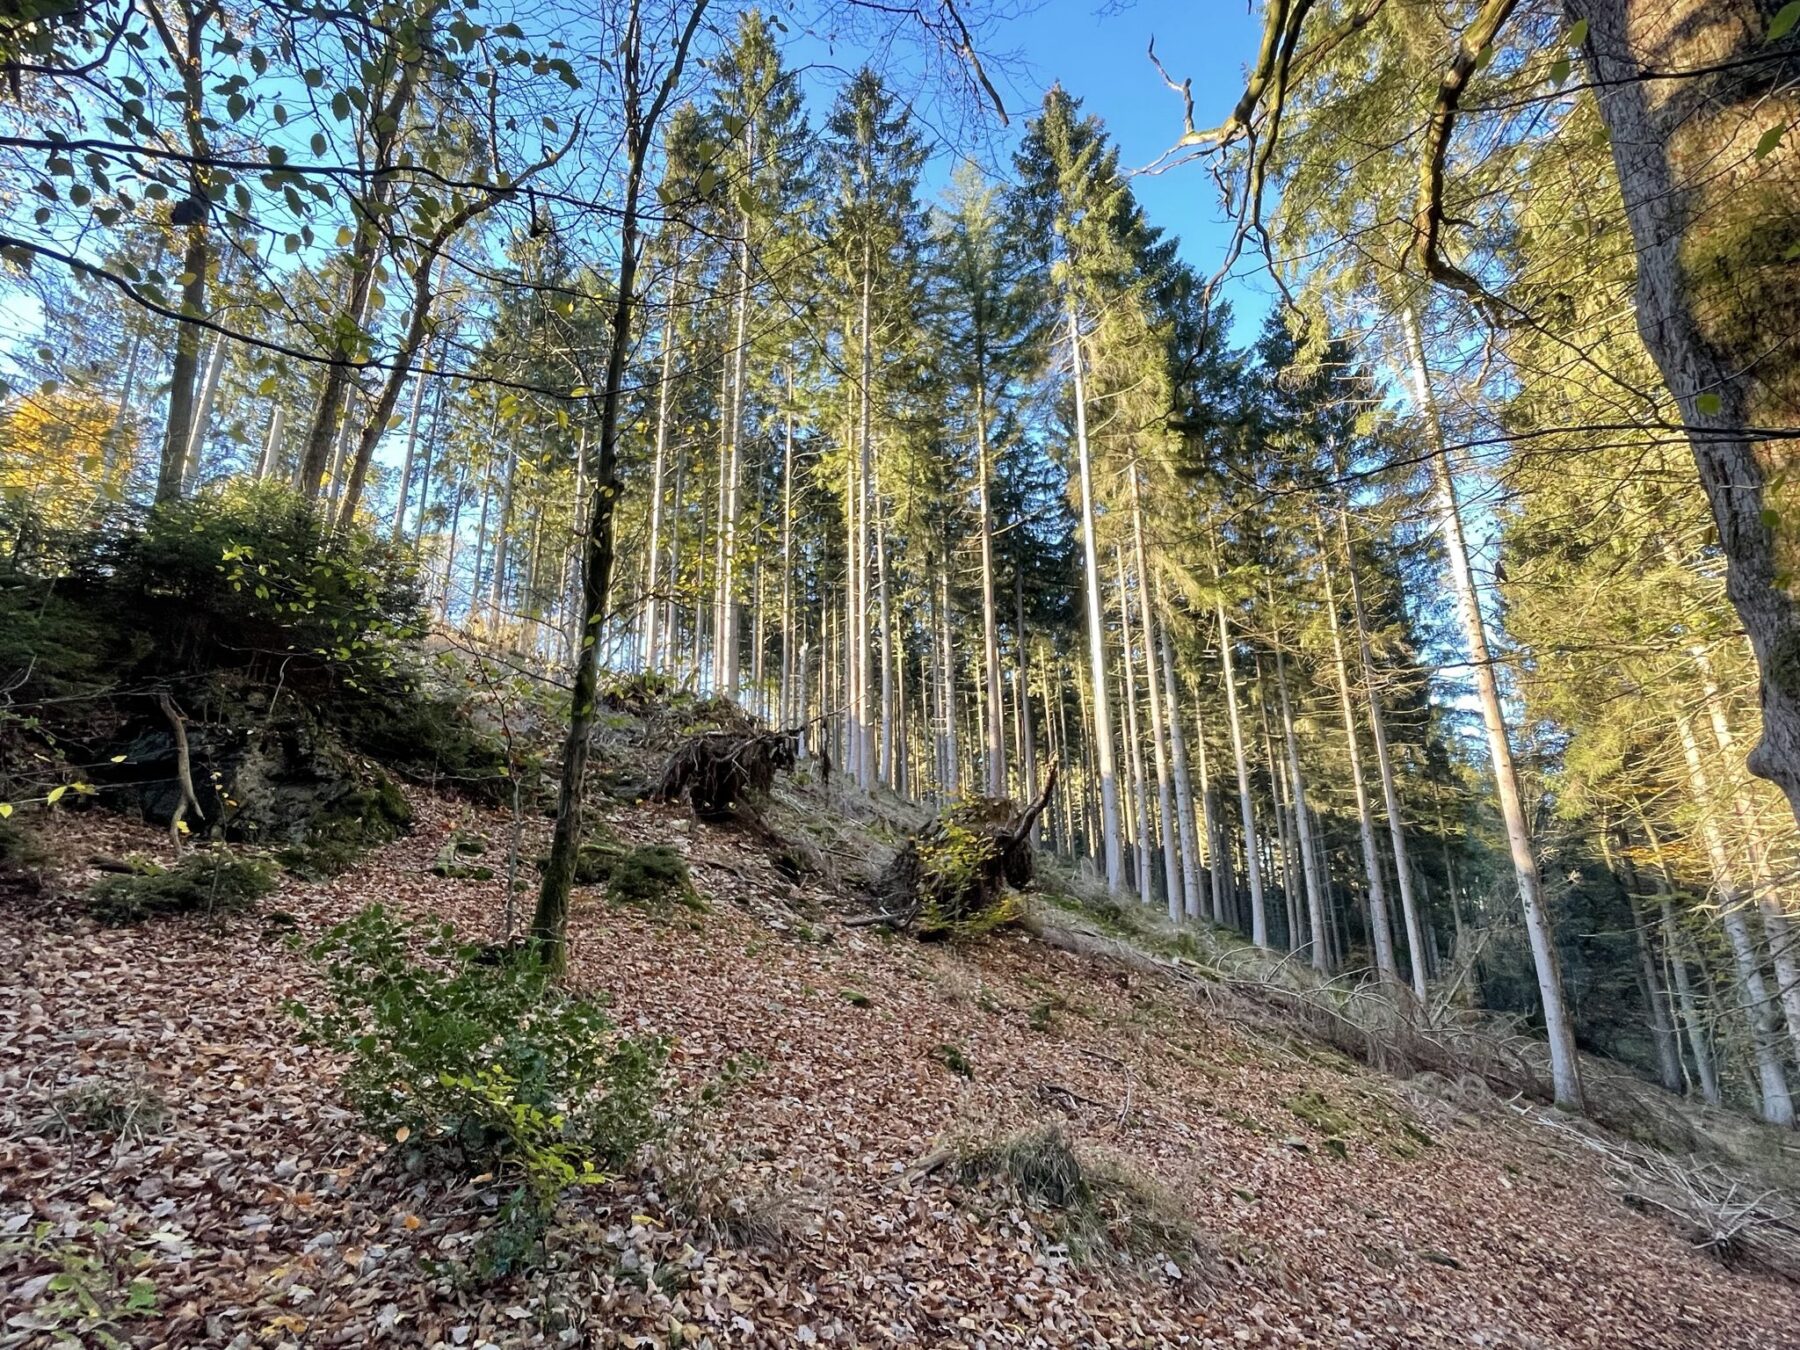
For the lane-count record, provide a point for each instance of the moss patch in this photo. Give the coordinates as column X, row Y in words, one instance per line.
column 214, row 882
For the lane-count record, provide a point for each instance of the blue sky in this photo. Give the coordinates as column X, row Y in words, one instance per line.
column 1097, row 50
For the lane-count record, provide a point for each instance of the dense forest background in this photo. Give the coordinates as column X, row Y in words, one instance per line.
column 1401, row 637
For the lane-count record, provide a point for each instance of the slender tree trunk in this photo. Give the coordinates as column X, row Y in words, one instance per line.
column 1564, row 1069
column 990, row 623
column 1022, row 681
column 726, row 640
column 1676, row 941
column 1259, row 919
column 183, row 379
column 1096, row 618
column 1315, row 900
column 1776, row 923
column 1759, row 1006
column 1147, row 610
column 271, row 451
column 1184, row 789
column 1390, row 794
column 1380, row 929
column 415, row 415
column 549, row 925
column 1139, row 779
column 203, row 409
column 886, row 613
column 791, row 711
column 659, row 466
column 431, row 446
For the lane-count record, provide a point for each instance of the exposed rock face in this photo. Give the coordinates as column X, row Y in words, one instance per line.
column 276, row 784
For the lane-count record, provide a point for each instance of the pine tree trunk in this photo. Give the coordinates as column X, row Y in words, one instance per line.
column 865, row 502
column 886, row 614
column 1102, row 741
column 1759, row 1006
column 1380, row 929
column 1184, row 789
column 1384, row 765
column 1775, row 919
column 1315, row 902
column 990, row 623
column 1140, row 796
column 1678, row 946
column 1564, row 1069
column 1259, row 919
column 792, row 712
column 1147, row 609
column 1022, row 683
column 658, row 468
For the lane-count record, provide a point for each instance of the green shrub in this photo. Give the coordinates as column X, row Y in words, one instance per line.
column 18, row 849
column 213, row 882
column 258, row 567
column 492, row 1064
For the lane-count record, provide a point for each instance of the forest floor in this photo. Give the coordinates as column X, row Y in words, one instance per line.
column 1332, row 1206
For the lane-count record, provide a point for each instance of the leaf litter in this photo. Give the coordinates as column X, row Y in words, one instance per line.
column 803, row 1209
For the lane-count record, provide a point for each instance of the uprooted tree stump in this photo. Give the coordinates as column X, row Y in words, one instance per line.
column 718, row 771
column 957, row 875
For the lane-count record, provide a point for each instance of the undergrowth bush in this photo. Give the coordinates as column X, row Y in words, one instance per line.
column 489, row 1065
column 215, row 881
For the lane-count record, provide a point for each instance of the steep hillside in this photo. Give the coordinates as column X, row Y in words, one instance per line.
column 888, row 1164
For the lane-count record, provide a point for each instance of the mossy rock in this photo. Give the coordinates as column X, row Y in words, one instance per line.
column 214, row 882
column 348, row 826
column 653, row 876
column 450, row 862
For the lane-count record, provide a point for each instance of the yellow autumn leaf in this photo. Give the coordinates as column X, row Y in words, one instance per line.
column 55, row 795
column 402, row 1134
column 410, row 1221
column 118, row 759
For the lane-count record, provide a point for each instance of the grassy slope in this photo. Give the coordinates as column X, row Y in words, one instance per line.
column 263, row 1219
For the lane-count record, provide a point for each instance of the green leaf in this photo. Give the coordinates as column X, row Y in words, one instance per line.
column 1708, row 404
column 1578, row 34
column 1783, row 22
column 1559, row 70
column 56, row 795
column 1771, row 520
column 1770, row 139
column 6, row 809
